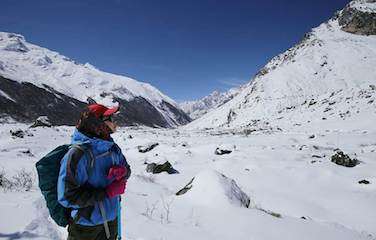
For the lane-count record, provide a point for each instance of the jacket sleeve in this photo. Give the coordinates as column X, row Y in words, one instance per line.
column 73, row 189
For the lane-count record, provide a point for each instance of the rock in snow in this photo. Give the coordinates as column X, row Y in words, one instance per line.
column 17, row 133
column 147, row 148
column 219, row 151
column 364, row 182
column 41, row 121
column 158, row 168
column 342, row 159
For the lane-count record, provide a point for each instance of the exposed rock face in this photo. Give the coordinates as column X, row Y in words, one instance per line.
column 354, row 20
column 139, row 111
column 25, row 102
column 180, row 117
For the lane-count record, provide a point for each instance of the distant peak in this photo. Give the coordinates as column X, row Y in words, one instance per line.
column 14, row 42
column 12, row 36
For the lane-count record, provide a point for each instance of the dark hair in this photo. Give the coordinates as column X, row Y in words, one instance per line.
column 92, row 126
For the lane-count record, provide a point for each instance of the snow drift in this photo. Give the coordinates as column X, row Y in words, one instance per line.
column 211, row 188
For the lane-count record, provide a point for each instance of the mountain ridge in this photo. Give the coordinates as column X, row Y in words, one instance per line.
column 329, row 64
column 21, row 62
column 197, row 108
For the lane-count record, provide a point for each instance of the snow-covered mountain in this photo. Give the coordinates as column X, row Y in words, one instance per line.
column 63, row 87
column 198, row 108
column 327, row 80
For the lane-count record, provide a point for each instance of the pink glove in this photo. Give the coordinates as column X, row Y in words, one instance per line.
column 117, row 172
column 116, row 188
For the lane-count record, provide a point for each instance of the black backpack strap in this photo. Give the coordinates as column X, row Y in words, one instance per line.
column 85, row 148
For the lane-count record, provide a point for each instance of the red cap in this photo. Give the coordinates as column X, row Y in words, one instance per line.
column 102, row 111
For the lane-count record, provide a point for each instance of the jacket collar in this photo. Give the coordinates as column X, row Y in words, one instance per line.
column 99, row 145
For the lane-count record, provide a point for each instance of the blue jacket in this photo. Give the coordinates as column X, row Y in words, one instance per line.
column 82, row 187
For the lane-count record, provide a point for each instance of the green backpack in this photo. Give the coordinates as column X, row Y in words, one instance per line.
column 48, row 169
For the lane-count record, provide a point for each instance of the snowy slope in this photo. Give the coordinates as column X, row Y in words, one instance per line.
column 25, row 62
column 329, row 76
column 196, row 109
column 364, row 6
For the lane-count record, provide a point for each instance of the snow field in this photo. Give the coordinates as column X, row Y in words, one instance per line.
column 283, row 183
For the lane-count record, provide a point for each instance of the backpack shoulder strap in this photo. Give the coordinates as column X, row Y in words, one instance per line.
column 85, row 148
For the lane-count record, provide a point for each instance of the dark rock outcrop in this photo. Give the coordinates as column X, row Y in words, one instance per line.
column 364, row 182
column 186, row 188
column 17, row 133
column 147, row 148
column 219, row 151
column 158, row 168
column 343, row 159
column 355, row 21
column 180, row 116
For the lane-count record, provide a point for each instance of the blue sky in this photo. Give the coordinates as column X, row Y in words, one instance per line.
column 187, row 49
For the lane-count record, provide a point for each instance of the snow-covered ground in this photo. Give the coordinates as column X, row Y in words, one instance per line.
column 294, row 194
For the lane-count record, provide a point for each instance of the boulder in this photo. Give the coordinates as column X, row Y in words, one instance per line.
column 147, row 148
column 17, row 133
column 364, row 182
column 158, row 168
column 220, row 151
column 41, row 121
column 343, row 159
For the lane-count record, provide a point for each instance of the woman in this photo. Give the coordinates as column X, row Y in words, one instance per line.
column 92, row 177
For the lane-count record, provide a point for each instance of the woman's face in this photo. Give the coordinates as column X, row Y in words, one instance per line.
column 111, row 125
